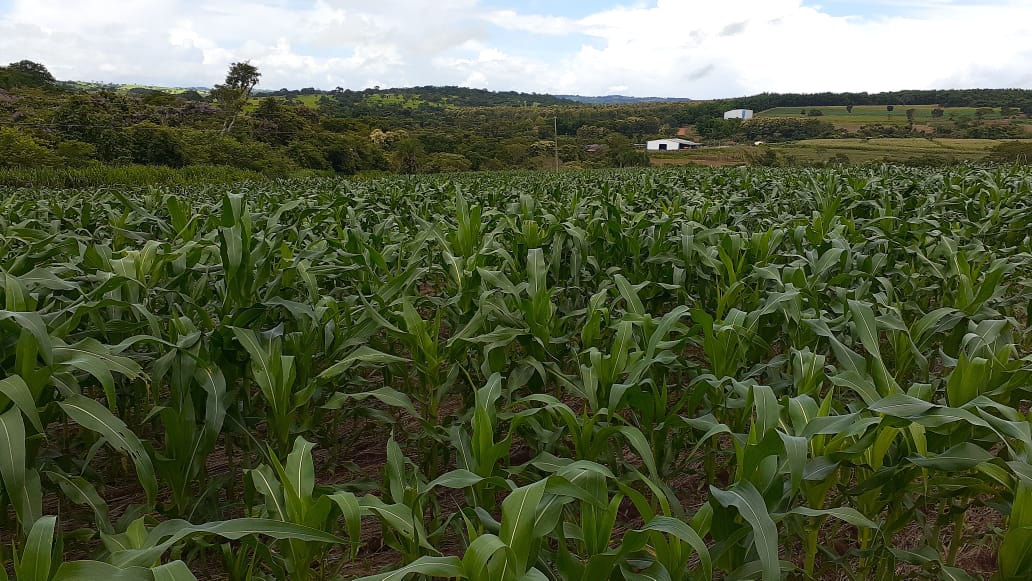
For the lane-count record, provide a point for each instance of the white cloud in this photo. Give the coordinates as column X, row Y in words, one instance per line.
column 667, row 48
column 676, row 48
column 532, row 23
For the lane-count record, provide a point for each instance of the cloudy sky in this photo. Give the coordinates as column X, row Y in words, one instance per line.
column 671, row 48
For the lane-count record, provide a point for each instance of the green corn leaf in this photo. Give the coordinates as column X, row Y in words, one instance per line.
column 1022, row 470
column 629, row 294
column 12, row 464
column 640, row 445
column 454, row 479
column 91, row 356
column 901, row 406
column 266, row 483
column 97, row 571
column 397, row 516
column 265, row 372
column 352, row 512
column 954, row 574
column 93, row 416
column 819, row 470
column 364, row 355
column 843, row 513
column 81, row 492
column 680, row 530
column 860, row 383
column 213, row 382
column 960, row 457
column 479, row 562
column 519, row 511
column 170, row 533
column 36, row 561
column 18, row 392
column 796, row 450
column 768, row 410
column 1015, row 554
column 300, row 469
column 440, row 567
column 744, row 497
column 387, row 395
column 174, row 571
column 866, row 327
column 848, row 360
column 34, row 324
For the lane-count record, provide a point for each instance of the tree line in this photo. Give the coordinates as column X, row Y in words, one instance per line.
column 418, row 130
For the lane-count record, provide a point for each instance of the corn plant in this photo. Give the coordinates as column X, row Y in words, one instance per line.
column 685, row 373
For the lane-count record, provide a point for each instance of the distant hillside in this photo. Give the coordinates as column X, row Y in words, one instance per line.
column 621, row 99
column 25, row 74
column 405, row 97
column 93, row 86
column 414, row 97
column 1017, row 98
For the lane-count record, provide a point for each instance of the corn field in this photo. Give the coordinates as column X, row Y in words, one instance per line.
column 633, row 375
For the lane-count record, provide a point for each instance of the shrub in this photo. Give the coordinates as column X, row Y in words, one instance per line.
column 151, row 144
column 448, row 162
column 19, row 149
column 1012, row 151
column 75, row 153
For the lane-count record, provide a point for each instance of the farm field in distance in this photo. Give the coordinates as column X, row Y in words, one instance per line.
column 856, row 150
column 681, row 373
column 878, row 115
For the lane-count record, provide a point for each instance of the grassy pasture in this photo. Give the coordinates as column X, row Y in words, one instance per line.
column 889, row 149
column 877, row 114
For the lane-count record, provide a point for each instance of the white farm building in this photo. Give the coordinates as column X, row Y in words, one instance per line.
column 742, row 114
column 672, row 144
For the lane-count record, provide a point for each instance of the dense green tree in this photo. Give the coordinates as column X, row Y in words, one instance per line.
column 76, row 153
column 276, row 122
column 785, row 129
column 159, row 99
column 19, row 149
column 151, row 144
column 349, row 153
column 98, row 119
column 620, row 152
column 718, row 128
column 306, row 155
column 592, row 133
column 447, row 162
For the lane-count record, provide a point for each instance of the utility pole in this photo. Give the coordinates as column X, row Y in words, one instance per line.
column 556, row 143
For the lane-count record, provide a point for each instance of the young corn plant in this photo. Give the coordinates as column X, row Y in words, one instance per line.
column 290, row 496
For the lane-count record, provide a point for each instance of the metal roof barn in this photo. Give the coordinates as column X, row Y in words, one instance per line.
column 672, row 144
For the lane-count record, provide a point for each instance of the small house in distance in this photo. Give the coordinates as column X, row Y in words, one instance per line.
column 743, row 114
column 672, row 144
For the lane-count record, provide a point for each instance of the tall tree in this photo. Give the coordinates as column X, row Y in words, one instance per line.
column 234, row 93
